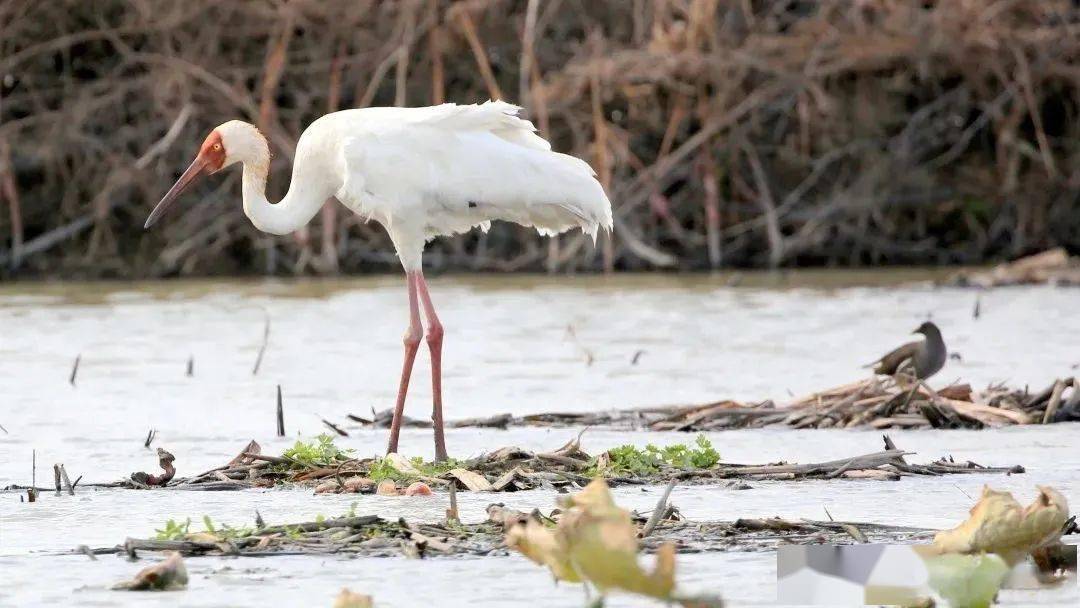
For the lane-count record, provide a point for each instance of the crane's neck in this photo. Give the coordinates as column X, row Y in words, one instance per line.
column 304, row 199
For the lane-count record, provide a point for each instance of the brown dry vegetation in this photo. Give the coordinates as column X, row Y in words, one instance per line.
column 728, row 133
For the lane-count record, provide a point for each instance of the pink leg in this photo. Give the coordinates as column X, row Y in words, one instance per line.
column 412, row 344
column 434, row 340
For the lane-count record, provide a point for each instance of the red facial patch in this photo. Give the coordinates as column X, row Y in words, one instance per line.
column 213, row 150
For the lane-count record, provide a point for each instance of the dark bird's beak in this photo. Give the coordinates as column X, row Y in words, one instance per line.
column 200, row 166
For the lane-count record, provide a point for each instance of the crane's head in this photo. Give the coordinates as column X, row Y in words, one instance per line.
column 234, row 141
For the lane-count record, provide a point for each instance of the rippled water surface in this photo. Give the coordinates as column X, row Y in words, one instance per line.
column 521, row 345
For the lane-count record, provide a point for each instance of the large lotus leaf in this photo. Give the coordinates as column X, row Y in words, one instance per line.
column 597, row 541
column 602, row 544
column 595, row 497
column 998, row 524
column 967, row 581
column 540, row 545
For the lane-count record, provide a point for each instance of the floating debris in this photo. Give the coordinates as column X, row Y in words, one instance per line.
column 1053, row 266
column 323, row 466
column 373, row 536
column 879, row 403
column 167, row 575
column 165, row 461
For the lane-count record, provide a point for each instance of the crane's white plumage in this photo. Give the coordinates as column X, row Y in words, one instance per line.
column 424, row 172
column 420, row 172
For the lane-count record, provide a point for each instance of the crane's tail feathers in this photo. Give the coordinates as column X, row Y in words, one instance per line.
column 524, row 182
column 588, row 225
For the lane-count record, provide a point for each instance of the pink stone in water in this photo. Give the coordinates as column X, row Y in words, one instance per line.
column 387, row 488
column 418, row 488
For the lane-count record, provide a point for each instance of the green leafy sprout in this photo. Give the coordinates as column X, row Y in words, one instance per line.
column 320, row 451
column 175, row 530
column 382, row 469
column 631, row 460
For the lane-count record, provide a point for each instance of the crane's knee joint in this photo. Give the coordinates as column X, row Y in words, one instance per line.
column 412, row 338
column 435, row 334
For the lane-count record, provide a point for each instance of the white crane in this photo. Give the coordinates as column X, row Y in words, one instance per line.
column 421, row 173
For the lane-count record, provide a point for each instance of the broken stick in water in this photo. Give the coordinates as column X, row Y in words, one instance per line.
column 150, row 438
column 67, row 481
column 262, row 347
column 452, row 512
column 658, row 512
column 280, row 414
column 191, row 366
column 31, row 492
column 1054, row 403
column 74, row 370
column 334, row 427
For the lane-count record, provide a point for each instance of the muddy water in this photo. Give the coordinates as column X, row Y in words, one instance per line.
column 519, row 345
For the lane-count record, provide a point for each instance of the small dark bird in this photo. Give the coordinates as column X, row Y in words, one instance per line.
column 920, row 359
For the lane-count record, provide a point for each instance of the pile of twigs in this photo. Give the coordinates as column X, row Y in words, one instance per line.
column 727, row 133
column 878, row 403
column 372, row 536
column 512, row 469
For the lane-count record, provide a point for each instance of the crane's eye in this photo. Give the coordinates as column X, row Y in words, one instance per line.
column 217, row 147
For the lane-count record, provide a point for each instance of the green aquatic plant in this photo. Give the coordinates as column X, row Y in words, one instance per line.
column 631, row 460
column 173, row 530
column 704, row 456
column 320, row 451
column 381, row 469
column 434, row 469
column 176, row 530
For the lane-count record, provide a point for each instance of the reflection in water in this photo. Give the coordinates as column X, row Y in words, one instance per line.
column 335, row 348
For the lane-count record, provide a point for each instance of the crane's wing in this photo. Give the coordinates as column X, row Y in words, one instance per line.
column 497, row 117
column 448, row 168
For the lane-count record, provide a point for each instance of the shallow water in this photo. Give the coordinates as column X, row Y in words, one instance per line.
column 335, row 349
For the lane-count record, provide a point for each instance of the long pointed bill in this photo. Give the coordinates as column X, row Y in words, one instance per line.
column 197, row 168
